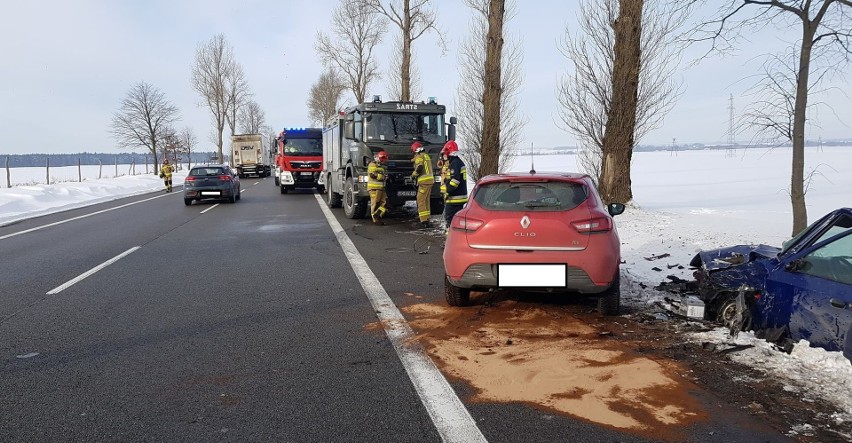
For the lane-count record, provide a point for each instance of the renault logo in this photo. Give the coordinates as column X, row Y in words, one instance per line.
column 525, row 222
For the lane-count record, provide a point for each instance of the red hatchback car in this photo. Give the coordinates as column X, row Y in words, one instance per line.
column 542, row 232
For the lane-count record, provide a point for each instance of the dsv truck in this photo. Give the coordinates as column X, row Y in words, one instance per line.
column 352, row 138
column 248, row 155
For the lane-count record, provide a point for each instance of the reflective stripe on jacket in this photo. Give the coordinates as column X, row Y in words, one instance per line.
column 375, row 176
column 457, row 186
column 423, row 169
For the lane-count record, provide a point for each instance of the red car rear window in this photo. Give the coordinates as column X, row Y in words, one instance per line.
column 530, row 196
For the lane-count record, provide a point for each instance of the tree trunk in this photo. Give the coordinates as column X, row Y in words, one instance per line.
column 492, row 90
column 797, row 177
column 405, row 65
column 618, row 140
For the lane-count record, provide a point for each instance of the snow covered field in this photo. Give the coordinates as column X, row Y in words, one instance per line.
column 683, row 202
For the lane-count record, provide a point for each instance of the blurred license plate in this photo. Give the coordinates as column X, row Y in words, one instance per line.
column 211, row 193
column 532, row 275
column 406, row 193
column 307, row 173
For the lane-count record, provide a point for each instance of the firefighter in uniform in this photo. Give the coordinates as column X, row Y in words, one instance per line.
column 444, row 173
column 424, row 178
column 457, row 184
column 376, row 176
column 166, row 174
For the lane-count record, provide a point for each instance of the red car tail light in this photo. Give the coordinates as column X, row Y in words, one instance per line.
column 466, row 224
column 189, row 178
column 225, row 178
column 598, row 224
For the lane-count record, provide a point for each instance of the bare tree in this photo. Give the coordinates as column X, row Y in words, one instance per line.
column 357, row 31
column 620, row 131
column 187, row 142
column 252, row 119
column 324, row 99
column 585, row 95
column 238, row 95
column 143, row 119
column 413, row 18
column 169, row 145
column 212, row 77
column 486, row 98
column 823, row 46
column 394, row 83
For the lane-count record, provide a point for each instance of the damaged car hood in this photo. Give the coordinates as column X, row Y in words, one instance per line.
column 722, row 258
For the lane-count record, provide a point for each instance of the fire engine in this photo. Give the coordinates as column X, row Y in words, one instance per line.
column 352, row 138
column 298, row 160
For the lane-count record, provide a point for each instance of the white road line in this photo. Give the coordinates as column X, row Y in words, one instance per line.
column 3, row 237
column 209, row 209
column 97, row 268
column 452, row 420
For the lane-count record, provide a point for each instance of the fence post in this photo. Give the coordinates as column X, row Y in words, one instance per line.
column 47, row 172
column 100, row 169
column 79, row 171
column 116, row 166
column 8, row 177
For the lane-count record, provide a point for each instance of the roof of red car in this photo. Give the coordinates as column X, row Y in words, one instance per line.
column 544, row 175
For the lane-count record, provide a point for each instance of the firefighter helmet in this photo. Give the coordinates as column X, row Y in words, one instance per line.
column 381, row 156
column 165, row 161
column 416, row 147
column 449, row 148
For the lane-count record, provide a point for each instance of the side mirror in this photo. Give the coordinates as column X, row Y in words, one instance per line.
column 451, row 129
column 797, row 265
column 615, row 209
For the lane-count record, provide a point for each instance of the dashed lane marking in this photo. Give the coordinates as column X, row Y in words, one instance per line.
column 88, row 273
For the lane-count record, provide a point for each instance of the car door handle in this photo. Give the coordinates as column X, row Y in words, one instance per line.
column 837, row 303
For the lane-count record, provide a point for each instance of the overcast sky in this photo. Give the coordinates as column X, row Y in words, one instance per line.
column 66, row 66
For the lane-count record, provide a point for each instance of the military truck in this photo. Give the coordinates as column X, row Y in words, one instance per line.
column 351, row 139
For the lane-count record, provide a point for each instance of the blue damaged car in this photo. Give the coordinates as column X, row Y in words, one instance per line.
column 802, row 290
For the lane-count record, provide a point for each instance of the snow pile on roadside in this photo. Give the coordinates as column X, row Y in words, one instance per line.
column 814, row 373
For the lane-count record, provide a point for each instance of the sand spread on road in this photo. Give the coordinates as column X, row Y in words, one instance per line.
column 548, row 356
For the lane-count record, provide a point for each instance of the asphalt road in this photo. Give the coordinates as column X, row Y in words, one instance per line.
column 232, row 322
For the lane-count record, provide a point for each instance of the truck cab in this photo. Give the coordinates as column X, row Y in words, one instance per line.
column 353, row 137
column 298, row 160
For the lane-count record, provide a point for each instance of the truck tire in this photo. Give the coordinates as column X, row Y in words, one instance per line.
column 437, row 206
column 320, row 189
column 609, row 301
column 353, row 206
column 187, row 201
column 332, row 199
column 277, row 182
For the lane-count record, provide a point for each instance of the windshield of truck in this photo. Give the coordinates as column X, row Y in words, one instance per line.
column 404, row 127
column 304, row 147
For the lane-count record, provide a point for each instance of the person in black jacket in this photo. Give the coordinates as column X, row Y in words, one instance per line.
column 457, row 181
